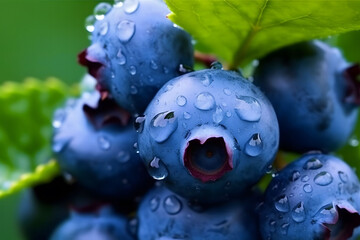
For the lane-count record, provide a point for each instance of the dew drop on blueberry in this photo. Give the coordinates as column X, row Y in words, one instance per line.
column 130, row 6
column 312, row 164
column 307, row 188
column 58, row 118
column 206, row 80
column 126, row 30
column 123, row 156
column 323, row 179
column 295, row 176
column 90, row 23
column 204, row 101
column 154, row 203
column 254, row 146
column 101, row 9
column 172, row 205
column 284, row 228
column 132, row 70
column 104, row 27
column 298, row 213
column 139, row 123
column 282, row 204
column 133, row 90
column 181, row 100
column 59, row 145
column 104, row 143
column 343, row 177
column 163, row 125
column 153, row 65
column 227, row 91
column 157, row 169
column 216, row 65
column 218, row 115
column 186, row 115
column 248, row 108
column 121, row 57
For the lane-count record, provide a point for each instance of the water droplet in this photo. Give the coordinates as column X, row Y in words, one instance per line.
column 133, row 90
column 126, row 30
column 122, row 58
column 168, row 87
column 254, row 146
column 205, row 101
column 135, row 146
column 216, row 65
column 307, row 188
column 227, row 91
column 272, row 224
column 343, row 177
column 282, row 204
column 118, row 3
column 104, row 27
column 354, row 141
column 298, row 213
column 89, row 23
column 295, row 176
column 181, row 100
column 154, row 203
column 284, row 228
column 323, row 179
column 248, row 108
column 166, row 70
column 123, row 156
column 228, row 114
column 132, row 70
column 130, row 6
column 101, row 9
column 326, row 214
column 172, row 205
column 312, row 164
column 59, row 117
column 218, row 115
column 185, row 69
column 153, row 65
column 187, row 115
column 157, row 169
column 59, row 145
column 206, row 80
column 104, row 143
column 163, row 125
column 139, row 123
column 305, row 178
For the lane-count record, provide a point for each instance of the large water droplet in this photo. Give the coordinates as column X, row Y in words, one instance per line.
column 343, row 177
column 101, row 9
column 157, row 169
column 153, row 65
column 206, row 80
column 248, row 108
column 154, row 203
column 218, row 115
column 326, row 214
column 89, row 23
column 130, row 6
column 313, row 164
column 181, row 100
column 123, row 156
column 307, row 188
column 104, row 27
column 104, row 143
column 132, row 70
column 282, row 204
column 139, row 123
column 254, row 146
column 163, row 125
column 121, row 57
column 295, row 176
column 204, row 101
column 323, row 179
column 59, row 118
column 298, row 213
column 172, row 205
column 126, row 30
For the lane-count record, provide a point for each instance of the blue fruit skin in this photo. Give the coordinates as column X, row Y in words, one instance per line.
column 153, row 53
column 165, row 215
column 295, row 197
column 307, row 87
column 102, row 160
column 167, row 143
column 103, row 225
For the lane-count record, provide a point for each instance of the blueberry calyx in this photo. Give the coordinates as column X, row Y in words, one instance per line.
column 208, row 160
column 342, row 226
column 106, row 112
column 92, row 65
column 352, row 76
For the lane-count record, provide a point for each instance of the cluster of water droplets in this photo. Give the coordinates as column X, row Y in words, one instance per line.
column 171, row 204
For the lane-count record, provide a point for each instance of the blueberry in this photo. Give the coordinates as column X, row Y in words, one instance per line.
column 314, row 93
column 101, row 225
column 165, row 215
column 209, row 135
column 314, row 197
column 135, row 50
column 93, row 142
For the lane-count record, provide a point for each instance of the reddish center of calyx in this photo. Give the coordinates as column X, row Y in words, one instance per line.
column 352, row 76
column 208, row 160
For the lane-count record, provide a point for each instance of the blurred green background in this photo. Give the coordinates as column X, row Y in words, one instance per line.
column 39, row 38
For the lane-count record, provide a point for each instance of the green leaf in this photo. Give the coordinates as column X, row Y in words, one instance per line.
column 349, row 44
column 238, row 31
column 25, row 132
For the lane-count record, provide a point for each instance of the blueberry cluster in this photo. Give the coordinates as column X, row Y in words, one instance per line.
column 158, row 151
